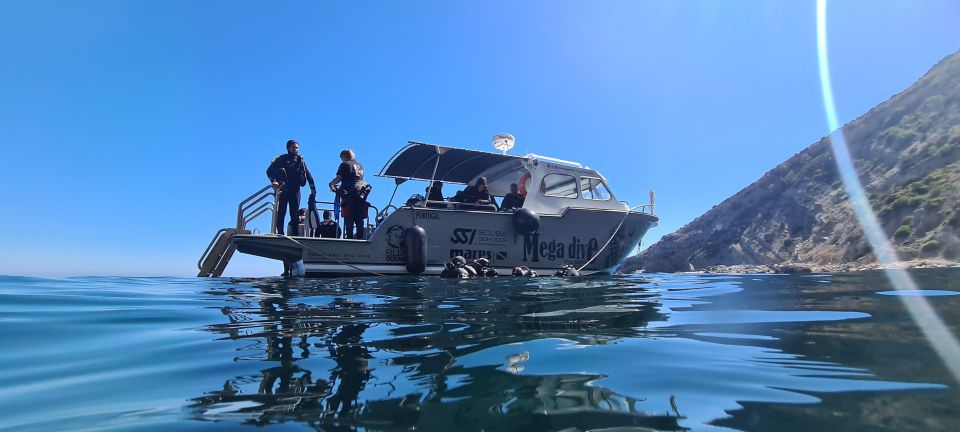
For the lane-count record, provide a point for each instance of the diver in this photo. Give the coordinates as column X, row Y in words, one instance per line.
column 328, row 227
column 512, row 200
column 477, row 195
column 351, row 193
column 435, row 195
column 287, row 174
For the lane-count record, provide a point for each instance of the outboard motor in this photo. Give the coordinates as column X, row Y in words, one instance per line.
column 415, row 249
column 526, row 221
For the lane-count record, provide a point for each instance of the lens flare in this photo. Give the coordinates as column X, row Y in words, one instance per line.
column 936, row 332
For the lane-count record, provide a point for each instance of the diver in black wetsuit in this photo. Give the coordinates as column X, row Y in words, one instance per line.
column 328, row 227
column 512, row 200
column 287, row 173
column 477, row 196
column 350, row 177
column 435, row 195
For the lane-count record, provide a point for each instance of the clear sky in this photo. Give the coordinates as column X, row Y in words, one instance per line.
column 130, row 130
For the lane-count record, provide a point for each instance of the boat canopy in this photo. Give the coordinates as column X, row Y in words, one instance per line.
column 417, row 161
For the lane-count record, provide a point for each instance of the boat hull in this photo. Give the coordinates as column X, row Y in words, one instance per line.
column 574, row 237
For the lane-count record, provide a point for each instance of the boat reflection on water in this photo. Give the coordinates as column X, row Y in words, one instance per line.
column 399, row 353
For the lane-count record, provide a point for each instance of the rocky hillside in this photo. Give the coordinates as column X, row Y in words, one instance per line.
column 907, row 154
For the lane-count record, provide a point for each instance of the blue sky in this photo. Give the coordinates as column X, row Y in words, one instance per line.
column 130, row 130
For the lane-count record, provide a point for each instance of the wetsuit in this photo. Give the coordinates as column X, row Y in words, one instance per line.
column 472, row 195
column 435, row 194
column 512, row 201
column 351, row 182
column 291, row 172
column 329, row 229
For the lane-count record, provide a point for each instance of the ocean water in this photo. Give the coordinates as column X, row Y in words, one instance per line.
column 639, row 352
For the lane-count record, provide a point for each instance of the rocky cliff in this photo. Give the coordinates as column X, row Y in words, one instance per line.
column 907, row 155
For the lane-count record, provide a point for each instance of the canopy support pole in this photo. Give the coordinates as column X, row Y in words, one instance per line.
column 433, row 177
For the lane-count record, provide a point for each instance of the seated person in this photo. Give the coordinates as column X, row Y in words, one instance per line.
column 512, row 200
column 435, row 193
column 477, row 195
column 328, row 227
column 296, row 226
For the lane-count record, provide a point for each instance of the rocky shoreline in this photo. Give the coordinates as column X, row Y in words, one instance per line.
column 798, row 217
column 791, row 268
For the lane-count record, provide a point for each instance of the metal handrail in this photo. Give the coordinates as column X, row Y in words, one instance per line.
column 645, row 209
column 247, row 207
column 265, row 207
column 460, row 205
column 209, row 246
column 248, row 210
column 258, row 196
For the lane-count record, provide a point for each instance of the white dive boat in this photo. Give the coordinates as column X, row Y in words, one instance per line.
column 570, row 217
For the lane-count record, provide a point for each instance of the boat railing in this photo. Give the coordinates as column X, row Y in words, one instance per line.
column 264, row 200
column 458, row 205
column 645, row 208
column 255, row 213
column 248, row 210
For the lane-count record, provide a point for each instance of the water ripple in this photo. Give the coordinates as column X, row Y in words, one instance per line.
column 661, row 352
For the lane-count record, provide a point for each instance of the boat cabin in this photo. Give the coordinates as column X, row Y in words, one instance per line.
column 551, row 185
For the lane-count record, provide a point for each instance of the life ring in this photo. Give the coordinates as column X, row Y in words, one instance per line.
column 523, row 183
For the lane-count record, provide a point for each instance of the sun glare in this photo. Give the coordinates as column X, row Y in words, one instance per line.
column 923, row 314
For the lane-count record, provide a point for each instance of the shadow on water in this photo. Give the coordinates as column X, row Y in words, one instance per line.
column 658, row 352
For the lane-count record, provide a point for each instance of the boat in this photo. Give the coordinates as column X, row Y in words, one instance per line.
column 570, row 217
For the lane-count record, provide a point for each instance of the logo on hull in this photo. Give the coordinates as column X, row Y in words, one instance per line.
column 472, row 254
column 575, row 249
column 483, row 237
column 395, row 240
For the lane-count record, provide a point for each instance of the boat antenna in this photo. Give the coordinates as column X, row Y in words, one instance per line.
column 503, row 142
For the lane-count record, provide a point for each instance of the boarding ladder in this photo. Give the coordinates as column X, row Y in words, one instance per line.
column 218, row 253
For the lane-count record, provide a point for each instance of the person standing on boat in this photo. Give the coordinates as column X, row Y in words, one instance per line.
column 350, row 178
column 287, row 174
column 512, row 200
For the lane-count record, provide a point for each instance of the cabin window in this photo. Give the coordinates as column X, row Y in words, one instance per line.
column 559, row 185
column 594, row 189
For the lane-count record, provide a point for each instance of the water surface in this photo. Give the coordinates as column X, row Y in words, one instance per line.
column 640, row 352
